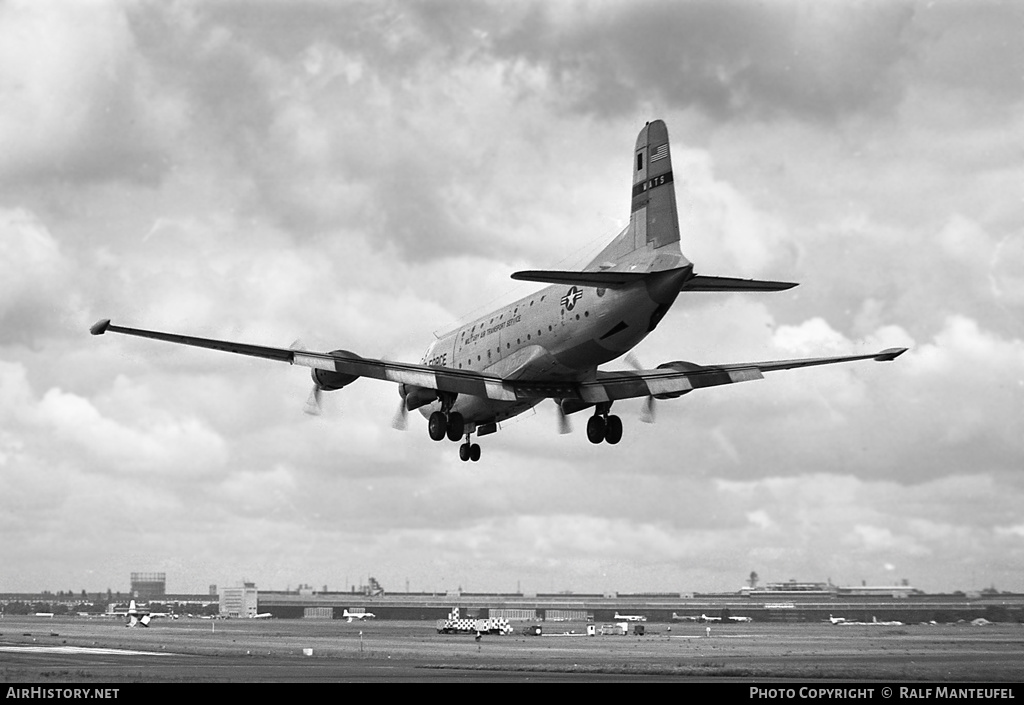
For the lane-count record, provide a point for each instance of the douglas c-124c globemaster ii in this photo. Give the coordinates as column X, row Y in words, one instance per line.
column 549, row 345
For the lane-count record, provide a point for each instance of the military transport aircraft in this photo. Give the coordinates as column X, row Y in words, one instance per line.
column 548, row 345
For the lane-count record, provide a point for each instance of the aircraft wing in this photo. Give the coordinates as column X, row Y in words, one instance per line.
column 669, row 379
column 676, row 378
column 441, row 378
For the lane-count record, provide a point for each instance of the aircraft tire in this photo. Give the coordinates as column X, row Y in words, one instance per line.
column 456, row 426
column 464, row 452
column 437, row 426
column 474, row 452
column 613, row 430
column 595, row 429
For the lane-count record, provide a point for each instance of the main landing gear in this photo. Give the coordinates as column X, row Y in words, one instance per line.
column 441, row 424
column 603, row 426
column 451, row 424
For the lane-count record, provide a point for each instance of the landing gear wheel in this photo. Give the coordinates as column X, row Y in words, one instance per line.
column 456, row 426
column 613, row 430
column 437, row 426
column 464, row 452
column 474, row 452
column 596, row 429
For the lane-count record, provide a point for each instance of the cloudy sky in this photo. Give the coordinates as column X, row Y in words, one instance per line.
column 361, row 175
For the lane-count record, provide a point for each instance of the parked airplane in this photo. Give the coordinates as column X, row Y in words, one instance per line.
column 263, row 615
column 357, row 615
column 136, row 616
column 741, row 619
column 548, row 345
column 705, row 618
column 630, row 617
column 837, row 620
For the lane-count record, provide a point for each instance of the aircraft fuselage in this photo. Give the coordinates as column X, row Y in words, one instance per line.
column 558, row 333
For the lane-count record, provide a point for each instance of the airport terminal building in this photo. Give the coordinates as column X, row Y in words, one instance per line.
column 783, row 603
column 778, row 602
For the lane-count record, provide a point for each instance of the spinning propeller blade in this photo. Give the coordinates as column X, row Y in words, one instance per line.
column 647, row 413
column 399, row 423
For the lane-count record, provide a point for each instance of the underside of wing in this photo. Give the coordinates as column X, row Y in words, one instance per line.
column 673, row 379
column 342, row 363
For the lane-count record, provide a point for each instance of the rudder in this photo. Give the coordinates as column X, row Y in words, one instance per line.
column 650, row 242
column 653, row 216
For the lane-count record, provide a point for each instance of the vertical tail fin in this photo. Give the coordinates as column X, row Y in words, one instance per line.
column 653, row 216
column 651, row 241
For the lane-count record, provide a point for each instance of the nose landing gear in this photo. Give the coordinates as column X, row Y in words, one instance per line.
column 469, row 451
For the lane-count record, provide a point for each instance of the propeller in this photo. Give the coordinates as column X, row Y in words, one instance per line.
column 564, row 425
column 399, row 423
column 313, row 407
column 647, row 412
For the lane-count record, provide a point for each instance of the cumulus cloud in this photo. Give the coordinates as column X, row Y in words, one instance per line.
column 33, row 278
column 79, row 106
column 733, row 60
column 361, row 176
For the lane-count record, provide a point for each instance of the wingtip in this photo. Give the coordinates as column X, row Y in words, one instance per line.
column 100, row 327
column 889, row 354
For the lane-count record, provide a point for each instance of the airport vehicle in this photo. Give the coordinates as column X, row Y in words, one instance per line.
column 630, row 617
column 549, row 345
column 357, row 614
column 468, row 625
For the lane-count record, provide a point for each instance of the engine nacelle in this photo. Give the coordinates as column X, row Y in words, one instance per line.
column 571, row 406
column 415, row 397
column 680, row 366
column 330, row 381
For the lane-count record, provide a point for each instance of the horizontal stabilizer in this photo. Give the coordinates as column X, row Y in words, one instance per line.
column 603, row 280
column 702, row 283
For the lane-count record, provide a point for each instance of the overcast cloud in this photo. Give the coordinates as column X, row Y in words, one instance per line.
column 360, row 175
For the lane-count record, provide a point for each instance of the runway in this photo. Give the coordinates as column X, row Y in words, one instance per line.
column 80, row 650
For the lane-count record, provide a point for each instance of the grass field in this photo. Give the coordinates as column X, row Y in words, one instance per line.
column 947, row 653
